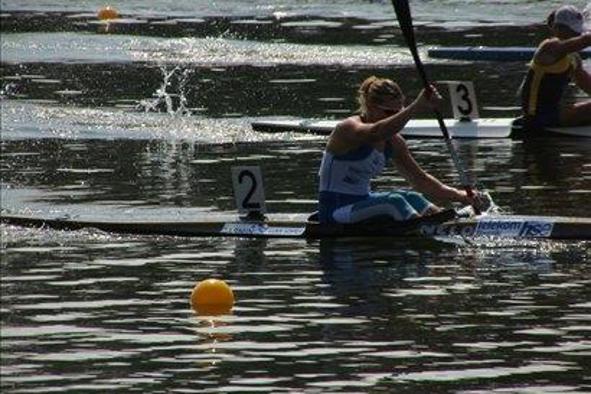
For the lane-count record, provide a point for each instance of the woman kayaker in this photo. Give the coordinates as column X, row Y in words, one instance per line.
column 555, row 63
column 357, row 151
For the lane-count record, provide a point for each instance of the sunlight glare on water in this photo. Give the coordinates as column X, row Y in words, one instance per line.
column 209, row 51
column 50, row 121
column 218, row 51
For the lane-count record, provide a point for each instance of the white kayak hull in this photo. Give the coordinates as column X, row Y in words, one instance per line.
column 422, row 128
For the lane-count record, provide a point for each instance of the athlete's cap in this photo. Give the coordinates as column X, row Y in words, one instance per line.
column 570, row 17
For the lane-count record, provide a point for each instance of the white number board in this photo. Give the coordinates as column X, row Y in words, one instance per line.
column 463, row 99
column 248, row 189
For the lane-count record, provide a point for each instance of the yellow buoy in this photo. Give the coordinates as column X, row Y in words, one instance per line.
column 107, row 12
column 212, row 297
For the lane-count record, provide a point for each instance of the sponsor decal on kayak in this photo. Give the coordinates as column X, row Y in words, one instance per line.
column 516, row 228
column 493, row 228
column 448, row 230
column 261, row 229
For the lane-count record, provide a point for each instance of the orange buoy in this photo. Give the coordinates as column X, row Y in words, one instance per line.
column 107, row 12
column 212, row 297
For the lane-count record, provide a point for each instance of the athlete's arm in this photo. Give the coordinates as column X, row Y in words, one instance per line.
column 582, row 77
column 353, row 132
column 552, row 50
column 420, row 180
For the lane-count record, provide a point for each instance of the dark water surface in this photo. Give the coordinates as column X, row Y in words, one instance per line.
column 147, row 121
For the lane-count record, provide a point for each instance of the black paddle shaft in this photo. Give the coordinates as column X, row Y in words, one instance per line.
column 402, row 9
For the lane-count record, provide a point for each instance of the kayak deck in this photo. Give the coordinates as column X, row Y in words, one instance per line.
column 482, row 53
column 483, row 128
column 298, row 226
column 208, row 225
column 415, row 128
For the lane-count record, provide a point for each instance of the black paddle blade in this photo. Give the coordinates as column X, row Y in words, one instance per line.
column 402, row 9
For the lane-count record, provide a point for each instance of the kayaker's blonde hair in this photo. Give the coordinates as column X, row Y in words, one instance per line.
column 375, row 90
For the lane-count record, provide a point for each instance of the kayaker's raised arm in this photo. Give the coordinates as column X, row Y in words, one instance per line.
column 372, row 128
column 554, row 49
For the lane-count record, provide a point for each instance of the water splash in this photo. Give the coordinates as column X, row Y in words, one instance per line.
column 493, row 208
column 171, row 95
column 9, row 90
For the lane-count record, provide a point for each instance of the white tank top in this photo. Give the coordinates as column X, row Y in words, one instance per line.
column 352, row 172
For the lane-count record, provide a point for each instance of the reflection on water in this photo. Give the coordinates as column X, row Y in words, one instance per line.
column 93, row 313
